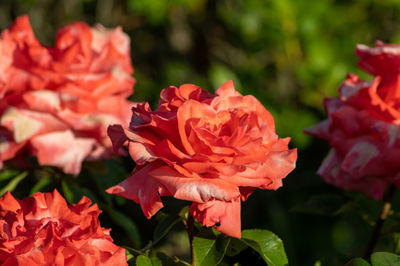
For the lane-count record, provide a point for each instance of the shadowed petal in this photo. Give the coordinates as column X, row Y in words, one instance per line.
column 141, row 188
column 224, row 216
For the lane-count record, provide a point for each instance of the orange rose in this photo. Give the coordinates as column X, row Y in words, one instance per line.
column 363, row 126
column 212, row 150
column 57, row 101
column 44, row 230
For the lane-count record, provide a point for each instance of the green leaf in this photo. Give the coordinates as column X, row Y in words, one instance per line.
column 161, row 259
column 267, row 244
column 235, row 247
column 68, row 194
column 164, row 226
column 13, row 183
column 7, row 174
column 129, row 255
column 143, row 260
column 105, row 175
column 40, row 184
column 384, row 259
column 125, row 222
column 74, row 192
column 209, row 249
column 358, row 262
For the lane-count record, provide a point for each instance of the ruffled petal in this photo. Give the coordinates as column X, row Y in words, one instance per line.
column 332, row 173
column 191, row 110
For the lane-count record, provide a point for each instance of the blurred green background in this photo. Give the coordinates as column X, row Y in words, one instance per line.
column 290, row 54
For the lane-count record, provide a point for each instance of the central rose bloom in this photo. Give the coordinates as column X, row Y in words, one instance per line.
column 212, row 150
column 45, row 230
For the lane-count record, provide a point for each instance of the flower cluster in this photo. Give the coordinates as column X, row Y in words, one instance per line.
column 363, row 125
column 56, row 102
column 44, row 230
column 212, row 150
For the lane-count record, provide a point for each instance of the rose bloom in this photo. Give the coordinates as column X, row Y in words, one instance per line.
column 212, row 150
column 45, row 230
column 56, row 102
column 363, row 126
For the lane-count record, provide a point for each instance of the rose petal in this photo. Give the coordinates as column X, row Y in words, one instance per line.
column 25, row 124
column 62, row 149
column 141, row 188
column 43, row 101
column 194, row 189
column 330, row 170
column 191, row 110
column 225, row 214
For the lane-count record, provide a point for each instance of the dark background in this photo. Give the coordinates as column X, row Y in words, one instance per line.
column 289, row 54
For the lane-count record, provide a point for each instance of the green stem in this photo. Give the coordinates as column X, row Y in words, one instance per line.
column 137, row 252
column 385, row 211
column 176, row 259
column 190, row 230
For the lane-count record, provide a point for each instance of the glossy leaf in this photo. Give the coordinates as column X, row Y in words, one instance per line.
column 235, row 247
column 209, row 249
column 267, row 244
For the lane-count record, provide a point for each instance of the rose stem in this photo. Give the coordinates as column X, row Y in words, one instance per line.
column 190, row 231
column 387, row 202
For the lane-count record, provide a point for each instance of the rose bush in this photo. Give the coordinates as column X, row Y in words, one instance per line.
column 58, row 101
column 45, row 230
column 363, row 125
column 212, row 150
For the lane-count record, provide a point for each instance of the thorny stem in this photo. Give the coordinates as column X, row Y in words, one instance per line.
column 387, row 202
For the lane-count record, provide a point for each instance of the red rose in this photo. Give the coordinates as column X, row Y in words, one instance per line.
column 58, row 101
column 363, row 126
column 44, row 230
column 212, row 150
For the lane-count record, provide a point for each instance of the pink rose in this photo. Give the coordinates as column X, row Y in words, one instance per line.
column 363, row 126
column 212, row 150
column 58, row 101
column 45, row 230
